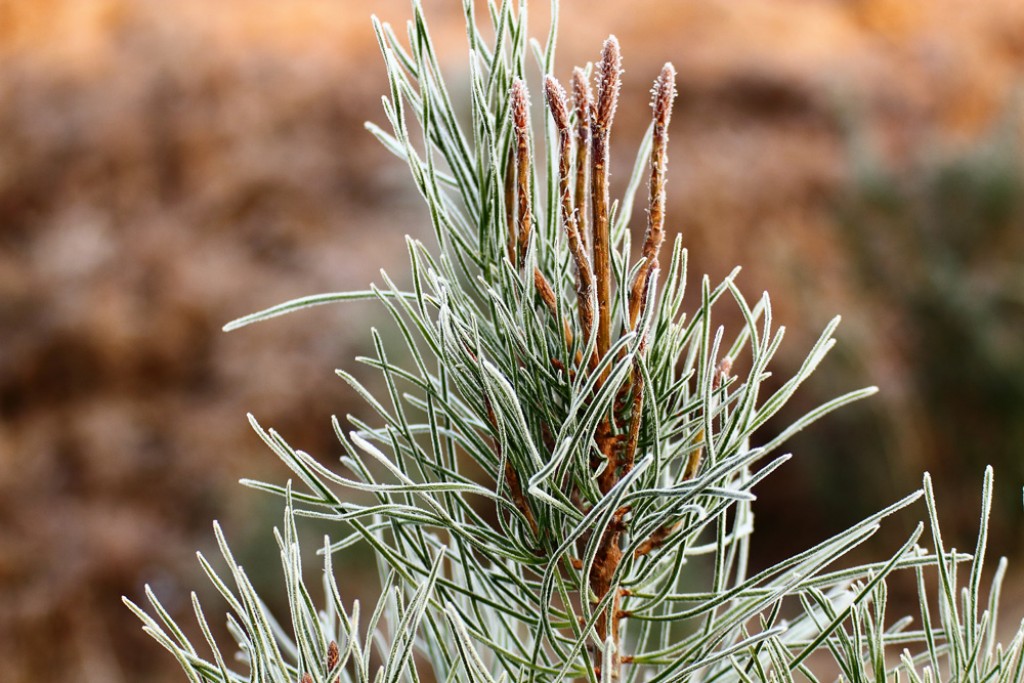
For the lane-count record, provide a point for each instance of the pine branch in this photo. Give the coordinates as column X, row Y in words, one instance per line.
column 562, row 440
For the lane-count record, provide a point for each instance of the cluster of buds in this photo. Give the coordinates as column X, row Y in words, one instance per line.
column 584, row 133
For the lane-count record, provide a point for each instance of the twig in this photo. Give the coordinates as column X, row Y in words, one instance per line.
column 693, row 463
column 583, row 101
column 521, row 129
column 515, row 488
column 520, row 109
column 636, row 415
column 550, row 299
column 664, row 96
column 656, row 539
column 584, row 275
column 609, row 554
column 694, row 460
column 510, row 206
column 608, row 86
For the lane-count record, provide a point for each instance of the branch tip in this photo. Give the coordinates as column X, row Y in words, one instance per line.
column 664, row 95
column 557, row 103
column 609, row 82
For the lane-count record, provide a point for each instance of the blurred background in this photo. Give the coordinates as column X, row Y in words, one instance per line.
column 168, row 166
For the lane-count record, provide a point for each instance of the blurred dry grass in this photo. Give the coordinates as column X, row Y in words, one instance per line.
column 166, row 166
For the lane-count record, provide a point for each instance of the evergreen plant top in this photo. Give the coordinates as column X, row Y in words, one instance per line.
column 608, row 536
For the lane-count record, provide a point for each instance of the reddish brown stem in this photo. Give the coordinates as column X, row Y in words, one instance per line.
column 656, row 539
column 609, row 83
column 664, row 96
column 694, row 461
column 548, row 296
column 636, row 385
column 510, row 207
column 511, row 478
column 584, row 276
column 609, row 553
column 583, row 101
column 521, row 130
column 636, row 414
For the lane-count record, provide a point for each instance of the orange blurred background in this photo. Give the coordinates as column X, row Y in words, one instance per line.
column 168, row 166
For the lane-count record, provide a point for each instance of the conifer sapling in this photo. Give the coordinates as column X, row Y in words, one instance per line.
column 558, row 485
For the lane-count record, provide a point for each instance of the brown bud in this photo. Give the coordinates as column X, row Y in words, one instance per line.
column 583, row 97
column 332, row 656
column 520, row 106
column 609, row 82
column 664, row 95
column 557, row 103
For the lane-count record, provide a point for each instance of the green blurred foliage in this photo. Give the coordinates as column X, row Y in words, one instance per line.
column 937, row 247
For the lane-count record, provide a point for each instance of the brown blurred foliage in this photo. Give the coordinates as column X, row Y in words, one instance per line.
column 167, row 166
